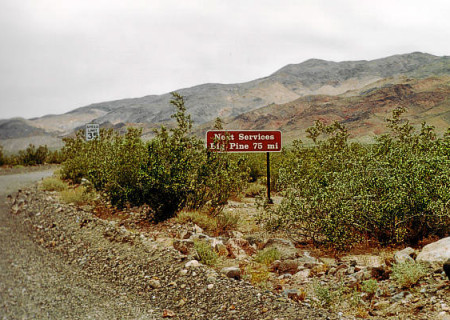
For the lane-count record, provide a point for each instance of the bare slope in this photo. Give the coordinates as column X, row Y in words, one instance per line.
column 363, row 114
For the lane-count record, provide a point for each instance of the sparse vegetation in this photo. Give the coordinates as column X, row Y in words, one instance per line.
column 171, row 172
column 53, row 184
column 267, row 256
column 202, row 219
column 77, row 196
column 205, row 254
column 31, row 156
column 341, row 194
column 370, row 287
column 407, row 274
column 257, row 273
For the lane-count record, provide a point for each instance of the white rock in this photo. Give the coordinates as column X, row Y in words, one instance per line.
column 404, row 255
column 154, row 283
column 302, row 276
column 232, row 272
column 286, row 247
column 183, row 272
column 197, row 229
column 435, row 253
column 192, row 264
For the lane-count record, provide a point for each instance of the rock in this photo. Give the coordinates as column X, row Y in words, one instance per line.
column 293, row 294
column 435, row 253
column 154, row 284
column 286, row 247
column 184, row 246
column 380, row 273
column 168, row 313
column 307, row 259
column 400, row 296
column 380, row 305
column 364, row 260
column 192, row 264
column 328, row 261
column 447, row 268
column 404, row 255
column 197, row 229
column 232, row 272
column 443, row 316
column 234, row 234
column 184, row 234
column 183, row 272
column 200, row 236
column 239, row 249
column 302, row 276
column 284, row 266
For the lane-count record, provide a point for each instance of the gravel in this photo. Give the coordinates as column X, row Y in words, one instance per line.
column 61, row 262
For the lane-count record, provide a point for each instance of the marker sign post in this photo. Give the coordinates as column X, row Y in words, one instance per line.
column 246, row 141
column 92, row 131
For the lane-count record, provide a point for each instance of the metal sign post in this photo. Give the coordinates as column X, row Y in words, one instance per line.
column 246, row 141
column 269, row 200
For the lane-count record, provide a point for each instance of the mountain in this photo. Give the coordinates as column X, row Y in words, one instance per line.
column 301, row 83
column 363, row 113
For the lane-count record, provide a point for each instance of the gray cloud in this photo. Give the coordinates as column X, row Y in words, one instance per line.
column 61, row 54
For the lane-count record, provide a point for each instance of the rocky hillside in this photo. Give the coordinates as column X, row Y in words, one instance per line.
column 307, row 81
column 363, row 113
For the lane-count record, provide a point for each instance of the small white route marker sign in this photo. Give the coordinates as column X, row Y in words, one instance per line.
column 92, row 131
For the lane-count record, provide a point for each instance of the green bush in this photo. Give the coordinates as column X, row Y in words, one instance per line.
column 205, row 254
column 407, row 274
column 53, row 184
column 78, row 196
column 170, row 172
column 370, row 287
column 32, row 156
column 341, row 193
column 267, row 256
column 2, row 157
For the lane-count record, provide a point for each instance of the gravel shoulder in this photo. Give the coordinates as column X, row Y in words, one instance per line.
column 61, row 262
column 39, row 284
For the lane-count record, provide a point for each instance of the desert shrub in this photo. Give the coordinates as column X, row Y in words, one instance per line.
column 342, row 193
column 170, row 172
column 254, row 189
column 227, row 221
column 202, row 219
column 53, row 184
column 205, row 254
column 370, row 287
column 267, row 256
column 407, row 274
column 56, row 156
column 2, row 157
column 78, row 196
column 257, row 164
column 258, row 274
column 323, row 294
column 180, row 172
column 32, row 156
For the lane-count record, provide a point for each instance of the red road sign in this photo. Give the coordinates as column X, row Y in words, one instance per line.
column 243, row 140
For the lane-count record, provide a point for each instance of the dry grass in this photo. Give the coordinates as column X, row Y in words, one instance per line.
column 53, row 184
column 267, row 256
column 77, row 196
column 216, row 224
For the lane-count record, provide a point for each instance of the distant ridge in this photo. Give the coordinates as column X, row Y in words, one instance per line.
column 205, row 102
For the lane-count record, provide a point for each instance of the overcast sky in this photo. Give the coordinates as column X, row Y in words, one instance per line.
column 57, row 55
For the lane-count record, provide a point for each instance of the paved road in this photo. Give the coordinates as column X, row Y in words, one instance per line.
column 36, row 284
